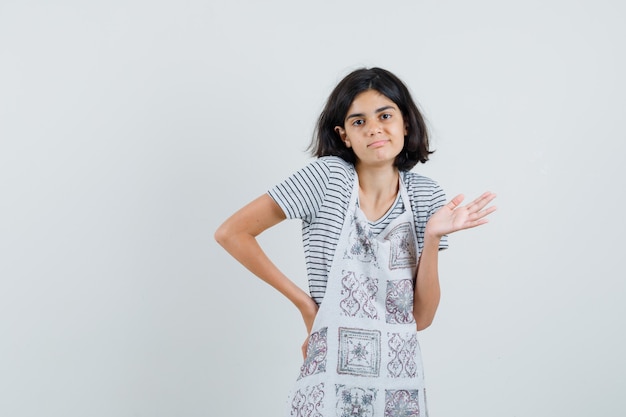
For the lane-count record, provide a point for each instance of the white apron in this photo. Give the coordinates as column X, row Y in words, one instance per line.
column 363, row 358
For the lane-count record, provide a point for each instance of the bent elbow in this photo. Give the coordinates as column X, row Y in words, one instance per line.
column 423, row 323
column 221, row 235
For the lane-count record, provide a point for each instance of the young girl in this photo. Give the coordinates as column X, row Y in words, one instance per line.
column 371, row 232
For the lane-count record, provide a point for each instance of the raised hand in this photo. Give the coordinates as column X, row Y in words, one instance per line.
column 453, row 217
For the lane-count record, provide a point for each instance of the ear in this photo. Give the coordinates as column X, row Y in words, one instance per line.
column 342, row 134
column 406, row 129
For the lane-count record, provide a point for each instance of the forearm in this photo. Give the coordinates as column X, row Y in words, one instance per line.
column 245, row 249
column 427, row 291
column 448, row 219
column 238, row 236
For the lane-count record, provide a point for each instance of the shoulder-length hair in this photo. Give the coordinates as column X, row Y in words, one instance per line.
column 327, row 142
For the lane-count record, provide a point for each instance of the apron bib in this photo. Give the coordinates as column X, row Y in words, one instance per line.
column 363, row 357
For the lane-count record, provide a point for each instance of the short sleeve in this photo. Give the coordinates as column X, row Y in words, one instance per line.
column 426, row 198
column 301, row 195
column 438, row 200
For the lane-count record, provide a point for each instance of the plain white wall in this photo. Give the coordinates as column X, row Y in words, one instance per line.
column 130, row 129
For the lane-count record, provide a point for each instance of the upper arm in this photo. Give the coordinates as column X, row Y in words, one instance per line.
column 427, row 197
column 302, row 194
column 255, row 217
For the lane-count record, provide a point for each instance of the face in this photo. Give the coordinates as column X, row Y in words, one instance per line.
column 374, row 128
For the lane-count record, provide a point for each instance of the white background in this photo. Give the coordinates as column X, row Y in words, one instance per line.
column 129, row 130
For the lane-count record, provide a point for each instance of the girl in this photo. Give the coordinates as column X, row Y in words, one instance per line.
column 371, row 232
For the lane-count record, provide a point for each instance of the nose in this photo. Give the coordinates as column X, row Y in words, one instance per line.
column 375, row 128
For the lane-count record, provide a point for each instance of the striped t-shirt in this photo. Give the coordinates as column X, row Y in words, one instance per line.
column 319, row 195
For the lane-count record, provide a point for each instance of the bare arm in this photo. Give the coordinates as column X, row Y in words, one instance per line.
column 238, row 236
column 427, row 291
column 448, row 219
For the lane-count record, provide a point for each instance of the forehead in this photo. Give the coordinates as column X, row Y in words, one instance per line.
column 369, row 101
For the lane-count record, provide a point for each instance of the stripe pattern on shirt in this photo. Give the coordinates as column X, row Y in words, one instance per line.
column 319, row 195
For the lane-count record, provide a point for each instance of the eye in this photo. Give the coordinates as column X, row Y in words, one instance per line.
column 385, row 116
column 358, row 122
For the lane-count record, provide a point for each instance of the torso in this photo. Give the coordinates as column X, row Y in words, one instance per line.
column 363, row 357
column 319, row 195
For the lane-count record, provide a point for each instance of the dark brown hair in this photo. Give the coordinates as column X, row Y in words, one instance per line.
column 326, row 141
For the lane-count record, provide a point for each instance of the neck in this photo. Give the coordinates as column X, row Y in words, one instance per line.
column 378, row 181
column 378, row 188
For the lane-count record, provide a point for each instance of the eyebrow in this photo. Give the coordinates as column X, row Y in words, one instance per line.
column 376, row 111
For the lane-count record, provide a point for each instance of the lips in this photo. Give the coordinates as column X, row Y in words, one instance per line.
column 378, row 143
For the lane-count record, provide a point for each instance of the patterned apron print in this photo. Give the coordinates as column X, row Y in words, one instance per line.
column 363, row 357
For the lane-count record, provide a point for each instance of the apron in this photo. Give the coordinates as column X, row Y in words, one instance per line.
column 363, row 357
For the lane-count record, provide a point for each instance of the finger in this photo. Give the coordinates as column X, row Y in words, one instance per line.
column 476, row 223
column 455, row 202
column 480, row 202
column 481, row 214
column 305, row 346
column 483, row 198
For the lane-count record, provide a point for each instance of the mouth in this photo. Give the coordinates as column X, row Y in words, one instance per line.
column 378, row 143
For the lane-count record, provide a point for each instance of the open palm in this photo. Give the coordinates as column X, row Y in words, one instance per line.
column 453, row 217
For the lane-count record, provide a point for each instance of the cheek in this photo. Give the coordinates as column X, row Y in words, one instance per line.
column 352, row 132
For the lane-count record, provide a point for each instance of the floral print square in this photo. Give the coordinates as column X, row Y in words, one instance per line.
column 362, row 243
column 359, row 352
column 308, row 402
column 399, row 302
column 355, row 401
column 402, row 355
column 403, row 251
column 359, row 295
column 316, row 351
column 402, row 403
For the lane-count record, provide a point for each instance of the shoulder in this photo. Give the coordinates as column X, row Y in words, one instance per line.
column 320, row 174
column 418, row 183
column 340, row 173
column 426, row 197
column 327, row 167
column 423, row 191
column 335, row 164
